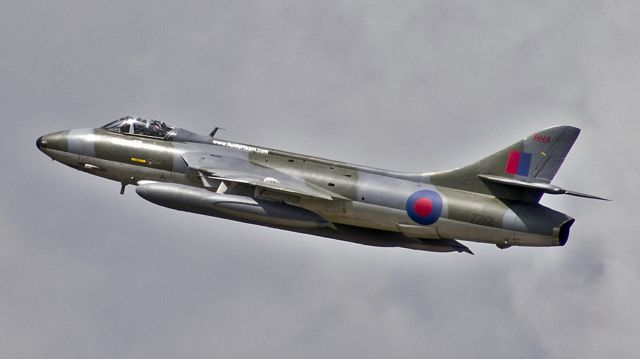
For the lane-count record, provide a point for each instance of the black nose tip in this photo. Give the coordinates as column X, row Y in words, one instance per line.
column 41, row 143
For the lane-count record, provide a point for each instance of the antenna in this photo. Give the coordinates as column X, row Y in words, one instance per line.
column 213, row 133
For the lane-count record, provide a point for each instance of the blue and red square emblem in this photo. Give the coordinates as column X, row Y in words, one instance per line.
column 518, row 163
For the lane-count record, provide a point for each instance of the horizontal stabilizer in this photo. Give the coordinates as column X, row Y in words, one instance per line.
column 584, row 195
column 538, row 186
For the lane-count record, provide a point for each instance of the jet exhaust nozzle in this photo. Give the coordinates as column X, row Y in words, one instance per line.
column 563, row 235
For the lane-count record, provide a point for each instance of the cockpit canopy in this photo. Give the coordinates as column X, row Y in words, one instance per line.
column 139, row 126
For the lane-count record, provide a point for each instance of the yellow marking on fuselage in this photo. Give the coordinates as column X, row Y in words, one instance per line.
column 139, row 160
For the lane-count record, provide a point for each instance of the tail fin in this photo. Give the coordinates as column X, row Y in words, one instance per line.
column 508, row 173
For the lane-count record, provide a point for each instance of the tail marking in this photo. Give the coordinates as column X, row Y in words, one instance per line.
column 519, row 163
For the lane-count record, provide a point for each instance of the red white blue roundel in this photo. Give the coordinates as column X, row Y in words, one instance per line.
column 424, row 207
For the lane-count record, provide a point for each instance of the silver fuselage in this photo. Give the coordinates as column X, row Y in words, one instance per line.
column 370, row 207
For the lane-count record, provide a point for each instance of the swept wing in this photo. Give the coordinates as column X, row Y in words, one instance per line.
column 231, row 170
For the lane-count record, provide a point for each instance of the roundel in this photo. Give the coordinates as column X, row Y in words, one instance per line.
column 424, row 207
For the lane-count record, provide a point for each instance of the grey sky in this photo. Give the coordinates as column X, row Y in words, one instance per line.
column 407, row 85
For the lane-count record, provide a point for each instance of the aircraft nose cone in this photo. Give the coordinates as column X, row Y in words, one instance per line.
column 56, row 141
column 39, row 143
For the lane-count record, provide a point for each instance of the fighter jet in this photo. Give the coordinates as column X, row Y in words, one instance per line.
column 494, row 200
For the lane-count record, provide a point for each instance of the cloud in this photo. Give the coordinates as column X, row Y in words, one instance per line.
column 409, row 86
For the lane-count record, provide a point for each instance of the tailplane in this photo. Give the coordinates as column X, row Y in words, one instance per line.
column 522, row 171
